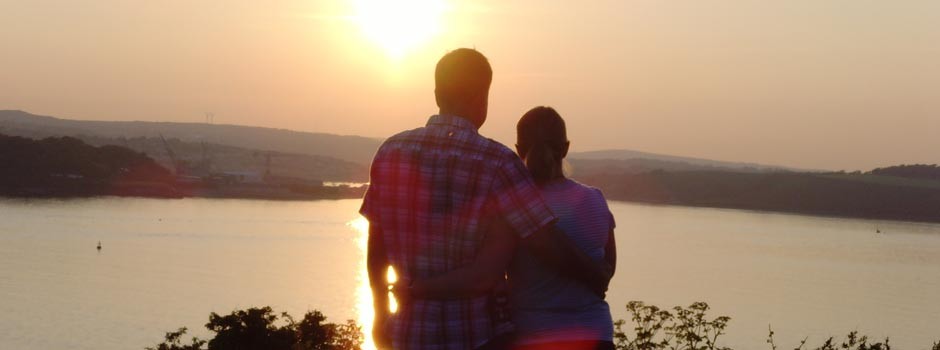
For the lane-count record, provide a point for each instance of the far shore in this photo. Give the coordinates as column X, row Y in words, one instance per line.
column 163, row 191
column 347, row 192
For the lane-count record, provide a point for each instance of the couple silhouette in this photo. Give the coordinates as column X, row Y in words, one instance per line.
column 493, row 249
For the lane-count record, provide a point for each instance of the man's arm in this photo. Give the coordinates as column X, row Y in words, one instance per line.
column 477, row 278
column 377, row 264
column 554, row 248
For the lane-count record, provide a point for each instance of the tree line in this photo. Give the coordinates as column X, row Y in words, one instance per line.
column 66, row 165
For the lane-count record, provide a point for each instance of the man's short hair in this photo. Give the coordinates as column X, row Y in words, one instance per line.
column 461, row 74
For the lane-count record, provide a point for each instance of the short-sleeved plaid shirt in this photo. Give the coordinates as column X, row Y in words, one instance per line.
column 432, row 191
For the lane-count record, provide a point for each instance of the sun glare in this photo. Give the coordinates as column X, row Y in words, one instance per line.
column 399, row 26
column 363, row 292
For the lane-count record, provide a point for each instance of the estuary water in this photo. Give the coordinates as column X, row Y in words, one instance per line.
column 169, row 263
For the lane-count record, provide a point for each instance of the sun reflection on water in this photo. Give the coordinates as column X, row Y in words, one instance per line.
column 363, row 291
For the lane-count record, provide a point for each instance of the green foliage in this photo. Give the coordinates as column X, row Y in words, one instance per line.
column 316, row 335
column 852, row 342
column 172, row 342
column 679, row 328
column 686, row 328
column 262, row 329
column 254, row 328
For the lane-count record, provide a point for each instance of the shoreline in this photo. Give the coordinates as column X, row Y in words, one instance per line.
column 356, row 193
column 164, row 191
column 781, row 212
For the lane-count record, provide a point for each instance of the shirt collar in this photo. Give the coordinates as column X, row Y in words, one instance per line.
column 451, row 120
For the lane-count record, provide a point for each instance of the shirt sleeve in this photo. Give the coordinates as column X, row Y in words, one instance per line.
column 370, row 201
column 602, row 201
column 517, row 200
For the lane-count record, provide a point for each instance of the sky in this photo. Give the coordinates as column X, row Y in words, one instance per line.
column 834, row 84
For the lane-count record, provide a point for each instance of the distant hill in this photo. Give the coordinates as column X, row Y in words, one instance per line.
column 202, row 159
column 629, row 161
column 329, row 157
column 831, row 194
column 355, row 149
column 913, row 171
column 66, row 167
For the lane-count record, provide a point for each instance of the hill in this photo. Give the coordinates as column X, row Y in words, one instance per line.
column 354, row 149
column 636, row 162
column 831, row 194
column 202, row 159
column 66, row 166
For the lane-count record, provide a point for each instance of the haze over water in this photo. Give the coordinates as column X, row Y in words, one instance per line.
column 836, row 84
column 168, row 263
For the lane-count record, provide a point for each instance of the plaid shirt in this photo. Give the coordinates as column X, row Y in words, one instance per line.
column 432, row 192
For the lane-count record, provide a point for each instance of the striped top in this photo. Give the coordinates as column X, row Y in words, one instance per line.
column 547, row 307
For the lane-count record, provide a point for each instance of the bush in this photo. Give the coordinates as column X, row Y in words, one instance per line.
column 262, row 329
column 679, row 328
column 687, row 328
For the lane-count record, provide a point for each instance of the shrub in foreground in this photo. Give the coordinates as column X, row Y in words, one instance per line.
column 262, row 329
column 649, row 328
column 688, row 328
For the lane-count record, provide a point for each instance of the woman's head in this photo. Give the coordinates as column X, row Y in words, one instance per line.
column 542, row 142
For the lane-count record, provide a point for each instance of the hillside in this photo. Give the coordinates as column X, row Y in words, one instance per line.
column 637, row 161
column 832, row 194
column 201, row 159
column 351, row 149
column 66, row 166
column 354, row 149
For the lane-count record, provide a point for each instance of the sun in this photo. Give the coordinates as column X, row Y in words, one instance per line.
column 399, row 26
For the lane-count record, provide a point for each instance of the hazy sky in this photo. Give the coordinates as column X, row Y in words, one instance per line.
column 833, row 84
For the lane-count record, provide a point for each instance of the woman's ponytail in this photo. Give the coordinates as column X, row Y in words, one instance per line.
column 542, row 135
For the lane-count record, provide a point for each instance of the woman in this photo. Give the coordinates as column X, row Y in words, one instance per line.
column 549, row 311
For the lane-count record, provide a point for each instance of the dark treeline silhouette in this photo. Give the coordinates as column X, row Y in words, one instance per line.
column 849, row 195
column 69, row 167
column 914, row 171
column 648, row 328
column 66, row 166
column 262, row 329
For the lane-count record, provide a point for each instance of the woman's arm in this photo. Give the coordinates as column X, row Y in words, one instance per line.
column 610, row 252
column 477, row 278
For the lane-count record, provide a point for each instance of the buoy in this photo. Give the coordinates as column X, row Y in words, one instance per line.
column 99, row 245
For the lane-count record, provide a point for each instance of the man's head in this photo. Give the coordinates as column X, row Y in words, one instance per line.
column 462, row 84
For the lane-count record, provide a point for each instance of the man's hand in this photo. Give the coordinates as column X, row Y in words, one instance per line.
column 601, row 286
column 556, row 250
column 401, row 290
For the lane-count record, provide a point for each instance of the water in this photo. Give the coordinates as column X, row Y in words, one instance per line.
column 168, row 263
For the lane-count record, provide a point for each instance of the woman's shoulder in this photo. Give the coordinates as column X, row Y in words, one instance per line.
column 593, row 198
column 587, row 190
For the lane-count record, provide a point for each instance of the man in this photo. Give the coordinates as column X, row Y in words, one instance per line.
column 442, row 196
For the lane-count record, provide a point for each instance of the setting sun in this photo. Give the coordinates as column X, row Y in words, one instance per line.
column 401, row 25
